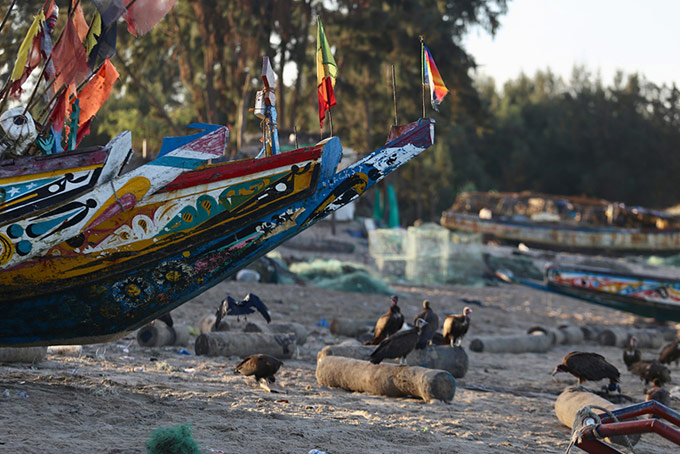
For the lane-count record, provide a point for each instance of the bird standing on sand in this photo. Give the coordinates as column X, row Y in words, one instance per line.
column 670, row 353
column 587, row 366
column 659, row 394
column 631, row 354
column 388, row 323
column 455, row 327
column 398, row 345
column 650, row 371
column 232, row 307
column 259, row 365
column 430, row 328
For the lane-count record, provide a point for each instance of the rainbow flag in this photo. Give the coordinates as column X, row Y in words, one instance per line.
column 432, row 77
column 326, row 72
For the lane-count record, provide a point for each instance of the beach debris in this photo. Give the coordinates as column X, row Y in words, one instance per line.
column 231, row 343
column 431, row 326
column 20, row 131
column 648, row 371
column 338, row 275
column 631, row 354
column 159, row 333
column 248, row 275
column 670, row 353
column 390, row 380
column 322, row 323
column 316, row 451
column 453, row 360
column 172, row 440
column 182, row 351
column 388, row 323
column 248, row 305
column 399, row 345
column 261, row 367
column 588, row 366
column 456, row 326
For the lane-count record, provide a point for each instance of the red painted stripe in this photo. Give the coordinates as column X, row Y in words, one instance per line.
column 233, row 169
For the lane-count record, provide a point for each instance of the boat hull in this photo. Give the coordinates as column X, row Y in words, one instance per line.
column 105, row 308
column 569, row 238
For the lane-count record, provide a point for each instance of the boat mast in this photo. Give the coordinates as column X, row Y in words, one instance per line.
column 265, row 108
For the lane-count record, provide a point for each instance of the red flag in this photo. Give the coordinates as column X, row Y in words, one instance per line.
column 143, row 15
column 59, row 114
column 83, row 130
column 79, row 20
column 70, row 58
column 96, row 92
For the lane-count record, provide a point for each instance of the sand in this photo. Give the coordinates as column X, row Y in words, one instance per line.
column 114, row 395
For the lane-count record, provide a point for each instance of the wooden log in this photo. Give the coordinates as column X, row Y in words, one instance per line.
column 22, row 354
column 453, row 360
column 231, row 343
column 207, row 324
column 525, row 343
column 391, row 380
column 619, row 336
column 301, row 332
column 65, row 350
column 351, row 327
column 557, row 336
column 572, row 334
column 158, row 334
column 574, row 398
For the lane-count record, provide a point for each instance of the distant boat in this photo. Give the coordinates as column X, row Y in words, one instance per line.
column 190, row 235
column 576, row 224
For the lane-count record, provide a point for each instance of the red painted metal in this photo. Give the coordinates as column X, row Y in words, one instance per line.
column 591, row 436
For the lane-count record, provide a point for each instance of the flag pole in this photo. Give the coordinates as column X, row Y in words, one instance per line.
column 422, row 70
column 394, row 95
column 330, row 120
column 9, row 10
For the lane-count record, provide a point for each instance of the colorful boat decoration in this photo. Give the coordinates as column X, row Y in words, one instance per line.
column 104, row 306
column 645, row 295
column 31, row 184
column 565, row 223
column 177, row 215
column 31, row 236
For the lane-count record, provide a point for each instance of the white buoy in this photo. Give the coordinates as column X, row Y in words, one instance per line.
column 19, row 129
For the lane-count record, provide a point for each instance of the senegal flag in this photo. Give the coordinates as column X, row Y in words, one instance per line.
column 432, row 77
column 326, row 72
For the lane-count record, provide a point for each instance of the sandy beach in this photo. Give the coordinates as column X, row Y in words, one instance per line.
column 114, row 395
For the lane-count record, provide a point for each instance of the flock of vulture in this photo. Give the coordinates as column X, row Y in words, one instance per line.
column 393, row 342
column 587, row 366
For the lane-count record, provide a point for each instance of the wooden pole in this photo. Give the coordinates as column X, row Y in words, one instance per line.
column 350, row 327
column 390, row 380
column 22, row 354
column 231, row 343
column 330, row 119
column 394, row 95
column 422, row 70
column 9, row 10
column 538, row 343
column 159, row 334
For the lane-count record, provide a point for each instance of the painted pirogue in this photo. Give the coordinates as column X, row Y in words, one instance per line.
column 190, row 235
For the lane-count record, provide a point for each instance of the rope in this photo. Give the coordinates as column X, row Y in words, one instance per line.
column 581, row 415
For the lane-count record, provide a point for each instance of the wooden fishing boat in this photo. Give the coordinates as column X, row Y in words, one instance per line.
column 31, row 184
column 199, row 246
column 642, row 294
column 565, row 223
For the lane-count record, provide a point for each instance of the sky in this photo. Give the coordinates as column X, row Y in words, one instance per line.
column 640, row 36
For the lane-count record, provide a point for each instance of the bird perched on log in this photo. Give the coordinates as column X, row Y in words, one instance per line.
column 631, row 354
column 388, row 323
column 250, row 304
column 670, row 353
column 587, row 366
column 455, row 327
column 259, row 365
column 659, row 394
column 430, row 328
column 648, row 371
column 399, row 345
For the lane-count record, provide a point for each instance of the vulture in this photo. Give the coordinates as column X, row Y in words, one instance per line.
column 588, row 366
column 250, row 304
column 430, row 327
column 648, row 371
column 659, row 394
column 455, row 327
column 259, row 365
column 388, row 323
column 398, row 345
column 670, row 353
column 631, row 354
